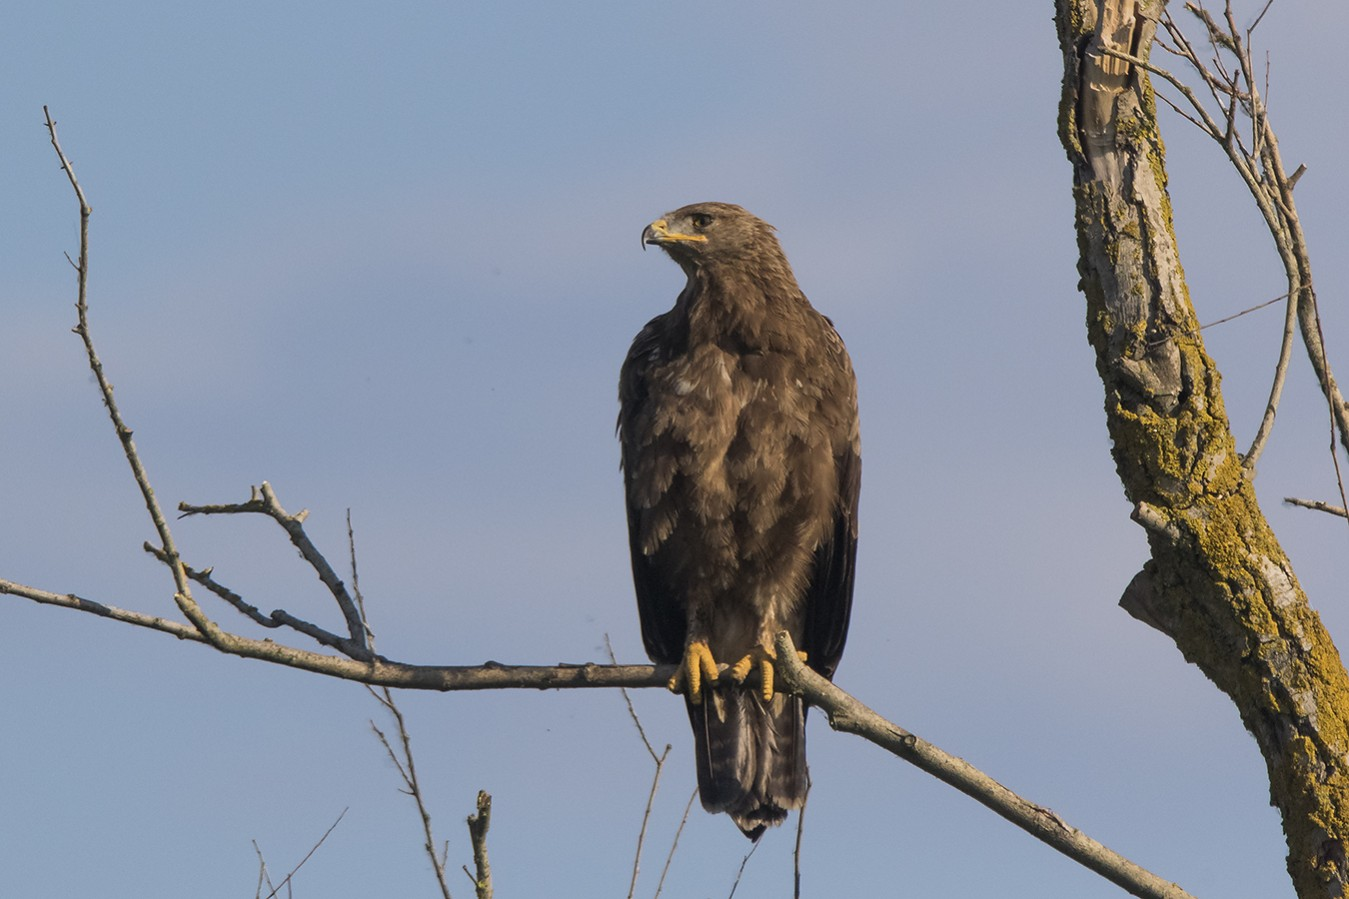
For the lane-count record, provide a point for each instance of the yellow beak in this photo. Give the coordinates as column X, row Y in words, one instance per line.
column 658, row 232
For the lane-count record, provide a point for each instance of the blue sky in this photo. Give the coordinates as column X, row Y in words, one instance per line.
column 387, row 259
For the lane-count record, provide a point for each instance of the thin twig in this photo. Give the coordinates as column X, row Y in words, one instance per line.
column 1221, row 321
column 206, row 577
column 655, row 779
column 407, row 771
column 800, row 830
column 1339, row 410
column 1256, row 23
column 632, row 712
column 356, row 584
column 287, row 879
column 646, row 818
column 182, row 591
column 1236, row 315
column 674, row 844
column 740, row 872
column 263, row 876
column 404, row 764
column 1266, row 426
column 278, row 618
column 1317, row 505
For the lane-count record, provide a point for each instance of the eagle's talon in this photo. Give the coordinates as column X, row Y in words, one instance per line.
column 696, row 665
column 741, row 669
column 763, row 657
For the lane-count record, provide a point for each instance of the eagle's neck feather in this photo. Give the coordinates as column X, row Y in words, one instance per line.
column 743, row 307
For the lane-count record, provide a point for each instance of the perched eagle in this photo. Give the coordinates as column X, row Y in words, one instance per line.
column 738, row 425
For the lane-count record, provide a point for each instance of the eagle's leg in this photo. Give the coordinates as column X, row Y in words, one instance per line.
column 763, row 656
column 697, row 665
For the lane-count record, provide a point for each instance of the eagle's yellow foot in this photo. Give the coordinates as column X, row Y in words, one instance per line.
column 764, row 657
column 696, row 666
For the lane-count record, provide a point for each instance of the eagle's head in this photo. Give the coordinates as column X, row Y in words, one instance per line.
column 707, row 235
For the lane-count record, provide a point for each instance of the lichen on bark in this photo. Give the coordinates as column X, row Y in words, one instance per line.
column 1217, row 582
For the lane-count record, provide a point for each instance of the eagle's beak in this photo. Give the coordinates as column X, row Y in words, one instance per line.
column 658, row 232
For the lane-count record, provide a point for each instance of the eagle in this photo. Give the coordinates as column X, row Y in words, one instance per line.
column 741, row 463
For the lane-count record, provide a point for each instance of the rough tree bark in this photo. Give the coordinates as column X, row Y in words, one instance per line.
column 1217, row 582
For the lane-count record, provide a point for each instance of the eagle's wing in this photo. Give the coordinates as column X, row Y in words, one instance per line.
column 829, row 594
column 828, row 597
column 664, row 619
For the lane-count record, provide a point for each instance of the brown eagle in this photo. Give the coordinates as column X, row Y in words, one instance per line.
column 738, row 425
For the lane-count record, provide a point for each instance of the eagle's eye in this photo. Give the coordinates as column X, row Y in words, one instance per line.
column 701, row 219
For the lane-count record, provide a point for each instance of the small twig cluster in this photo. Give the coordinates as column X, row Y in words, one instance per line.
column 263, row 501
column 1235, row 115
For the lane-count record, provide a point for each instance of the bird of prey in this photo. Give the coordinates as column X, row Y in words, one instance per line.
column 738, row 426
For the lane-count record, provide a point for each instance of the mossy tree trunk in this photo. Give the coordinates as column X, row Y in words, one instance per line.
column 1218, row 582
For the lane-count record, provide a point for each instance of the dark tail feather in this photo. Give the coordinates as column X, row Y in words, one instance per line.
column 751, row 756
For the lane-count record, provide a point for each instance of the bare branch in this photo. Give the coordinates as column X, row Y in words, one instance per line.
column 362, row 650
column 264, row 502
column 183, row 592
column 1317, row 505
column 206, row 578
column 79, row 603
column 845, row 714
column 851, row 716
column 376, row 672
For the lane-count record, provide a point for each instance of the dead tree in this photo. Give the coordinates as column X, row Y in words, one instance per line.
column 1217, row 582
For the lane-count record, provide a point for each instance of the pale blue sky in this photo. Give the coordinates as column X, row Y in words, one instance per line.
column 387, row 259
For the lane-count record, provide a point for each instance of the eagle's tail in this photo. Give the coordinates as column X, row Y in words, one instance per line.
column 751, row 755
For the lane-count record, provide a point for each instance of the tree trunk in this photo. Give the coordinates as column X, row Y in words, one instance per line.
column 1218, row 582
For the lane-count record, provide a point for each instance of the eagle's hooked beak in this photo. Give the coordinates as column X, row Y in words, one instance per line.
column 658, row 232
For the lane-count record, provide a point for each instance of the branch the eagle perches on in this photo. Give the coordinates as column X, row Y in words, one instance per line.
column 359, row 662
